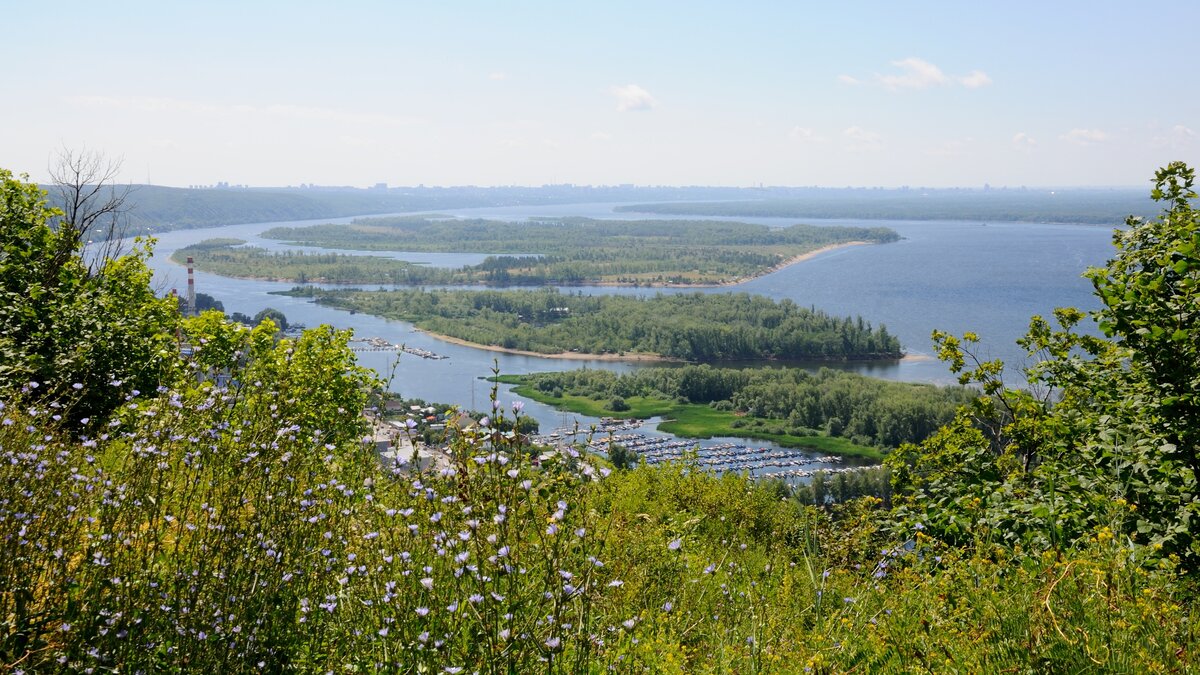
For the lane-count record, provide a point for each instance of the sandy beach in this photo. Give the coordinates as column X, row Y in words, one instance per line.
column 628, row 356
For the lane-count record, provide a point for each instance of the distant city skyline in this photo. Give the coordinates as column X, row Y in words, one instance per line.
column 532, row 93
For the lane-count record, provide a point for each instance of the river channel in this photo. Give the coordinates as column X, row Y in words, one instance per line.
column 951, row 275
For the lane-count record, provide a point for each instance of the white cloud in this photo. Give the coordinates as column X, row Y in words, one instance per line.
column 975, row 79
column 601, row 136
column 1085, row 136
column 804, row 135
column 1023, row 140
column 1177, row 137
column 1181, row 135
column 497, row 76
column 954, row 148
column 917, row 74
column 632, row 98
column 861, row 139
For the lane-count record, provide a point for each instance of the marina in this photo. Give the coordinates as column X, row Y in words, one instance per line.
column 715, row 457
column 375, row 344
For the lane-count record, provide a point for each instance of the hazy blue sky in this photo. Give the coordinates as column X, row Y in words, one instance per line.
column 505, row 93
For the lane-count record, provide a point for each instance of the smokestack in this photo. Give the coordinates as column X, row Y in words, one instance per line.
column 191, row 296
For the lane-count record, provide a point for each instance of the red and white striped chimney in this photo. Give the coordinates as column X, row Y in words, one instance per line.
column 191, row 293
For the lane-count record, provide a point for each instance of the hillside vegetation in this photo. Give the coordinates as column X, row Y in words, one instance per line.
column 214, row 509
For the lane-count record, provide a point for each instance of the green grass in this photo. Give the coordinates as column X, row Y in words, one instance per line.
column 689, row 420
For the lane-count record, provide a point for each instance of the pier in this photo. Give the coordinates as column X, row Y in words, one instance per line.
column 375, row 344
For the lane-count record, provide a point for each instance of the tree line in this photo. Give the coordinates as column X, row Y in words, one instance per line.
column 685, row 326
column 791, row 401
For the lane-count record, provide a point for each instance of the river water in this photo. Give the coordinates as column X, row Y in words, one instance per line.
column 952, row 275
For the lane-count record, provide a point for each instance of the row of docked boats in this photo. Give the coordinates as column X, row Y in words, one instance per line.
column 715, row 457
column 376, row 344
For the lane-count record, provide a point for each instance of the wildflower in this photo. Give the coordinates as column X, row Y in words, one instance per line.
column 383, row 632
column 77, row 386
column 427, row 583
column 553, row 643
column 629, row 624
column 616, row 583
column 485, row 422
column 518, row 406
column 675, row 544
column 422, row 611
column 475, row 599
column 668, row 606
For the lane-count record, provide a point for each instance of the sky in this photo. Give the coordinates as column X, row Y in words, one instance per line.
column 794, row 93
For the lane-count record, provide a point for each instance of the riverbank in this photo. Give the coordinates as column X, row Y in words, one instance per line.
column 581, row 356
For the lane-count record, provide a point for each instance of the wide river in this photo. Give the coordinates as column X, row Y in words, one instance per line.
column 950, row 275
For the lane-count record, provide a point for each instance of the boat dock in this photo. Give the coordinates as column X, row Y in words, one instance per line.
column 374, row 344
column 717, row 458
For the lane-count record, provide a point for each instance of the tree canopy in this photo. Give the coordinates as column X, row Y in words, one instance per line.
column 82, row 337
column 1106, row 437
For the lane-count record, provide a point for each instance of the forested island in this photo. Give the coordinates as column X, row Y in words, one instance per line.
column 567, row 251
column 789, row 406
column 231, row 258
column 685, row 326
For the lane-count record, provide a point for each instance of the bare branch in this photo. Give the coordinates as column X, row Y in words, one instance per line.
column 94, row 206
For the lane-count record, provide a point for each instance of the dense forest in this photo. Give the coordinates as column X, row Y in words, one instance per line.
column 581, row 250
column 1089, row 206
column 789, row 401
column 185, row 495
column 689, row 327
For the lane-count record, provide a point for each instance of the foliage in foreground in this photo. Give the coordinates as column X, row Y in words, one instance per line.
column 196, row 536
column 231, row 519
column 1112, row 439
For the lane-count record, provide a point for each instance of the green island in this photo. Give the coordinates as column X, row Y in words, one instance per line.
column 830, row 411
column 188, row 494
column 680, row 326
column 563, row 251
column 231, row 258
